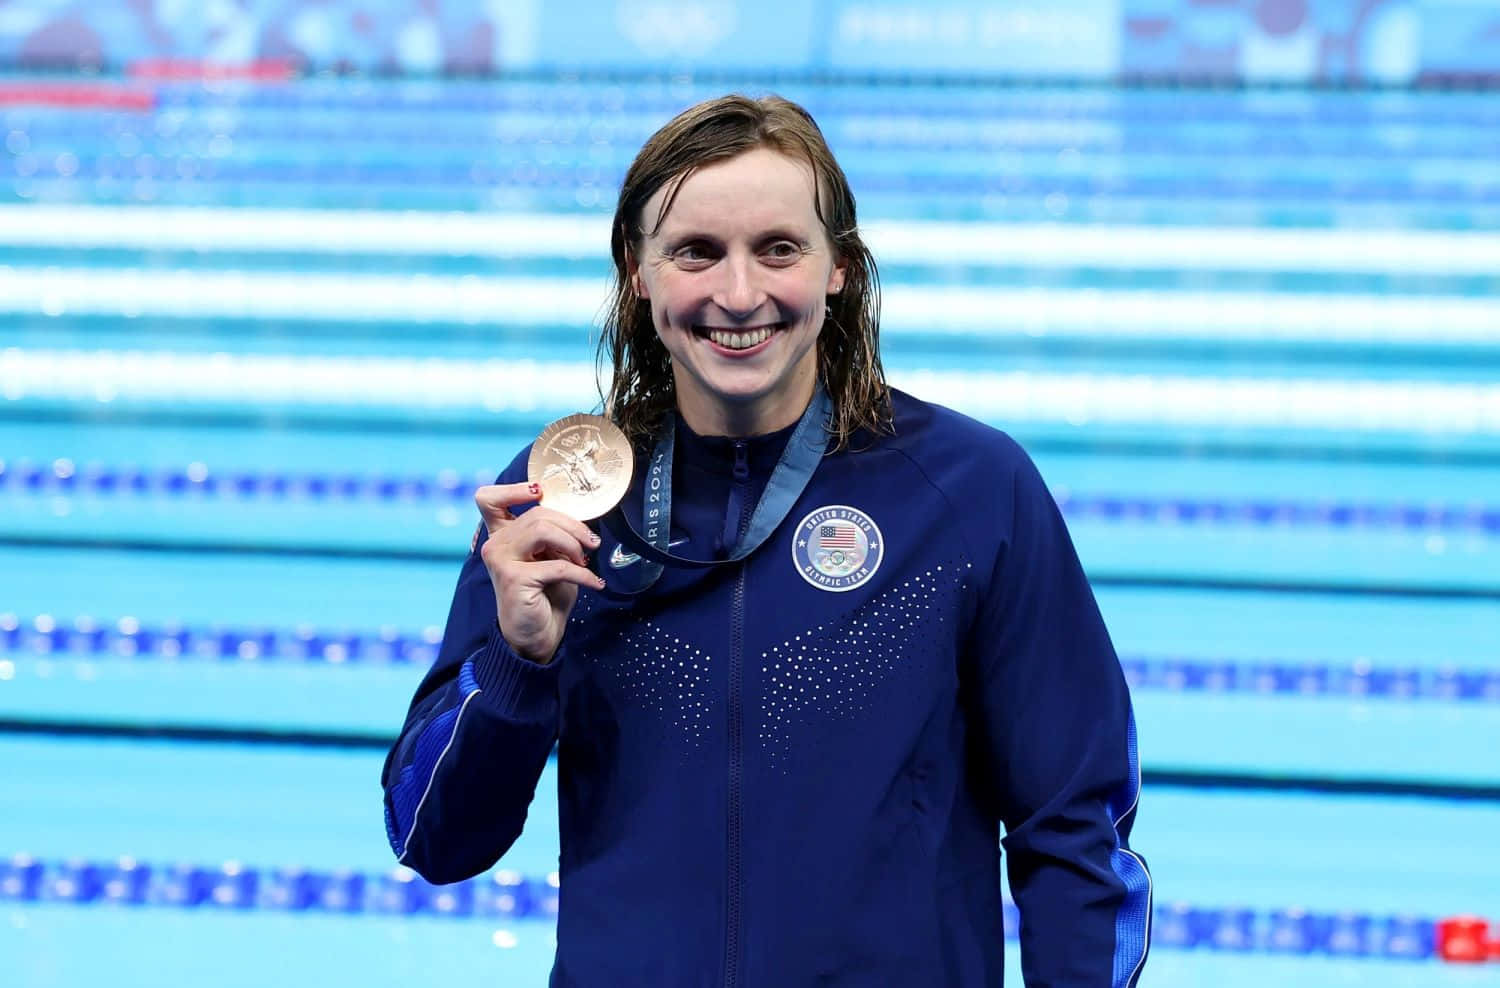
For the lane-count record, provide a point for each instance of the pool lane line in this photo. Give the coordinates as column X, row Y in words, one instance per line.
column 195, row 734
column 937, row 347
column 1322, row 785
column 910, row 310
column 506, row 894
column 1152, row 581
column 1168, row 778
column 898, row 131
column 403, row 554
column 1310, row 588
column 1198, row 447
column 390, row 554
column 62, row 477
column 1455, row 411
column 43, row 639
column 551, row 236
column 359, row 422
column 440, row 423
column 969, row 96
column 968, row 185
column 901, row 128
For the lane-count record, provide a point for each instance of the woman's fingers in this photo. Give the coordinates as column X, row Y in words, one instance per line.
column 544, row 538
column 531, row 558
column 496, row 500
column 550, row 571
column 526, row 551
column 570, row 526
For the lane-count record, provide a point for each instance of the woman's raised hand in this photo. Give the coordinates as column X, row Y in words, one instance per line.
column 536, row 562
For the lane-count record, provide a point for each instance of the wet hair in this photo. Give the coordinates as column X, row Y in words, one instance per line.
column 642, row 391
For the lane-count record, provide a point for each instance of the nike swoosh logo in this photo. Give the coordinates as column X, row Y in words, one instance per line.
column 619, row 559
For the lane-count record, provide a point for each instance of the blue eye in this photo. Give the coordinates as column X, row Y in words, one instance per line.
column 691, row 253
column 783, row 250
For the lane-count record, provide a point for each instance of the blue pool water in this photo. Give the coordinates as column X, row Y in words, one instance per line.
column 1294, row 534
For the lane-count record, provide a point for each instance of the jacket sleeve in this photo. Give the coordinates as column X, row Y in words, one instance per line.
column 1060, row 736
column 459, row 778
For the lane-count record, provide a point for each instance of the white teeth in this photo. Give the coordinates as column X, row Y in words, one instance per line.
column 739, row 341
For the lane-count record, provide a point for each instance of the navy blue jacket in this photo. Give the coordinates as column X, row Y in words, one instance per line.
column 793, row 770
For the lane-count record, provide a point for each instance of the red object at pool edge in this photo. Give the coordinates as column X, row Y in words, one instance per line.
column 193, row 69
column 1463, row 940
column 76, row 96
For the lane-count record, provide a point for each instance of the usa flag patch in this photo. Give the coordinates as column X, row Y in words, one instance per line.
column 837, row 548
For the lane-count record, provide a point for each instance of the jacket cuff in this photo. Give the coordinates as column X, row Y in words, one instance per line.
column 512, row 686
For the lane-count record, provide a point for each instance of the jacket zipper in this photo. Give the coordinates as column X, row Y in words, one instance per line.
column 732, row 944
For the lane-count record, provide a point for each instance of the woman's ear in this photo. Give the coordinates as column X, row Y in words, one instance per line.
column 633, row 274
column 836, row 278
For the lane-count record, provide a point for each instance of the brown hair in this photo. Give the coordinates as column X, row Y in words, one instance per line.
column 642, row 392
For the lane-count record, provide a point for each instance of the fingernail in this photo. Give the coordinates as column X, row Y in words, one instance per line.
column 599, row 582
column 534, row 489
column 593, row 539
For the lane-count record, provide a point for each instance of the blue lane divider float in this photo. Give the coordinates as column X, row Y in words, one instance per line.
column 526, row 175
column 1293, row 931
column 600, row 100
column 1357, row 679
column 232, row 886
column 197, row 480
column 504, row 894
column 127, row 638
column 62, row 477
column 571, row 127
column 84, row 637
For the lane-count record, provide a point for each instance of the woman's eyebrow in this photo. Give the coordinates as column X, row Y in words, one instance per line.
column 687, row 233
column 786, row 233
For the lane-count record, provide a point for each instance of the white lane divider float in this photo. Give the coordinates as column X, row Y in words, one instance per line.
column 550, row 235
column 908, row 311
column 560, row 386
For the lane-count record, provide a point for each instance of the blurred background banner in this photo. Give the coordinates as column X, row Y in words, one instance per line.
column 1294, row 41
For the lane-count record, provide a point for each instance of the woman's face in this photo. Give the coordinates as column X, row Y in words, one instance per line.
column 737, row 275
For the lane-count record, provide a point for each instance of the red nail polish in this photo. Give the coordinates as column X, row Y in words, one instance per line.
column 535, row 489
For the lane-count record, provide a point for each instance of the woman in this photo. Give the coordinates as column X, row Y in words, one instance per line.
column 790, row 768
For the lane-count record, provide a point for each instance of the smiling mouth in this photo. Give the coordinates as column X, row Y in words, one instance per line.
column 738, row 339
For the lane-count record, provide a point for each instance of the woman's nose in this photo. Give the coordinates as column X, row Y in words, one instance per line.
column 739, row 291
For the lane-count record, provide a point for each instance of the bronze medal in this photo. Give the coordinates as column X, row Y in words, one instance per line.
column 582, row 464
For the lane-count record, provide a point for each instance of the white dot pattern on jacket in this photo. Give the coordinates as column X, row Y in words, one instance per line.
column 830, row 672
column 655, row 670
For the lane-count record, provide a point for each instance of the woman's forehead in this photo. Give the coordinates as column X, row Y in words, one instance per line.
column 759, row 188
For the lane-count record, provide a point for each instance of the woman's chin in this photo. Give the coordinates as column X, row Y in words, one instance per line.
column 731, row 406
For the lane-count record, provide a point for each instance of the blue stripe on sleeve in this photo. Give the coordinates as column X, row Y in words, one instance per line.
column 416, row 776
column 1133, row 922
column 467, row 684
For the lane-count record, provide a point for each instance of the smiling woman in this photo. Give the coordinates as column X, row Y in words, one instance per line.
column 789, row 751
column 736, row 217
column 737, row 275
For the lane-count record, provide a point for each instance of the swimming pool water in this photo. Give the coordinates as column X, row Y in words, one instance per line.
column 1276, row 459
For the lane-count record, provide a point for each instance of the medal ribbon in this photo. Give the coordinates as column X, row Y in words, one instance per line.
column 799, row 459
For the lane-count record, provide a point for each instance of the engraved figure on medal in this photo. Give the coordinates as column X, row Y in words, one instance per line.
column 579, row 467
column 583, row 465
